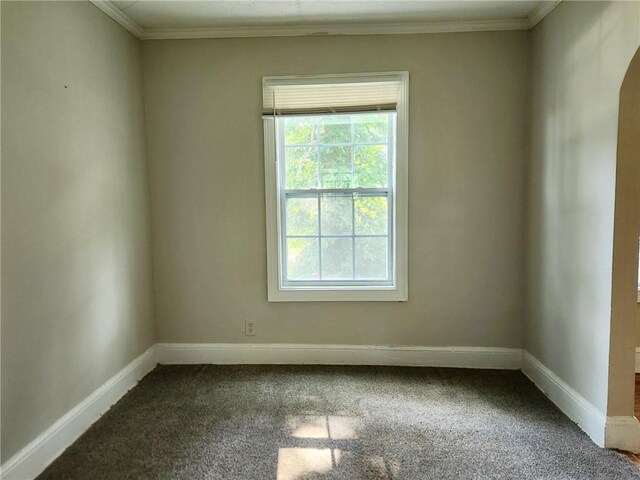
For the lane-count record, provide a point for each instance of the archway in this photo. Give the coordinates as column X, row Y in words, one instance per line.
column 623, row 429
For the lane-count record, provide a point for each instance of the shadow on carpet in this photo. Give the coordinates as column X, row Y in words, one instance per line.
column 335, row 422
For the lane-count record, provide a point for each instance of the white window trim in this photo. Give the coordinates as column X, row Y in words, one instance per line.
column 396, row 293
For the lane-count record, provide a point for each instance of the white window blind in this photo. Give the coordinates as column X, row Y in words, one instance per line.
column 330, row 94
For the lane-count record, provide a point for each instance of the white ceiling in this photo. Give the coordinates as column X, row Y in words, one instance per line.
column 188, row 18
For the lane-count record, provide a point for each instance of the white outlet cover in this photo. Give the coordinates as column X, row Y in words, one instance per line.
column 249, row 328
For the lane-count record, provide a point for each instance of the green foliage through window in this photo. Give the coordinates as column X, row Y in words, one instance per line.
column 337, row 173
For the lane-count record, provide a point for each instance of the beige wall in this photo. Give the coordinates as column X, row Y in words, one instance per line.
column 581, row 52
column 468, row 104
column 76, row 271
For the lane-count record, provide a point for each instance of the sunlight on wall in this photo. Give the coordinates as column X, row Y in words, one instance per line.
column 579, row 56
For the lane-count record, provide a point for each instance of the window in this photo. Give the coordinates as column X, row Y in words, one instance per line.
column 336, row 187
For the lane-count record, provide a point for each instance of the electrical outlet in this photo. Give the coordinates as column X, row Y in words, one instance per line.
column 249, row 328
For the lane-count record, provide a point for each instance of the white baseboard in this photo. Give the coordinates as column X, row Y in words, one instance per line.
column 279, row 353
column 623, row 433
column 37, row 455
column 637, row 359
column 574, row 405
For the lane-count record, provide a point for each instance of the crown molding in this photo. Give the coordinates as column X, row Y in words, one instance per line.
column 327, row 29
column 119, row 16
column 334, row 29
column 540, row 12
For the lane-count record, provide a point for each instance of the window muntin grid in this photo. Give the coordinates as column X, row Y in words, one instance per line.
column 335, row 177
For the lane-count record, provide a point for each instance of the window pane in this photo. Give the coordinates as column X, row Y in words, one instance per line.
column 371, row 166
column 336, row 152
column 302, row 259
column 302, row 216
column 337, row 254
column 371, row 128
column 335, row 129
column 336, row 214
column 335, row 167
column 371, row 258
column 301, row 167
column 371, row 215
column 300, row 130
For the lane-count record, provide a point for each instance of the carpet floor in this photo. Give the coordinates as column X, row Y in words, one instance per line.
column 321, row 422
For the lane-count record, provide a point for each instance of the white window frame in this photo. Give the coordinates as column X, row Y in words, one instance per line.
column 398, row 290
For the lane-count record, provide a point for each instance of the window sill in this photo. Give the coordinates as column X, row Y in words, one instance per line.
column 380, row 294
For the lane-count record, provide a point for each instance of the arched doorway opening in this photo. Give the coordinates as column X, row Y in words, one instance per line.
column 623, row 429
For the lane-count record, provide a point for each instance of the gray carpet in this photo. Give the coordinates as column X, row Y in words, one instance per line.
column 312, row 423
